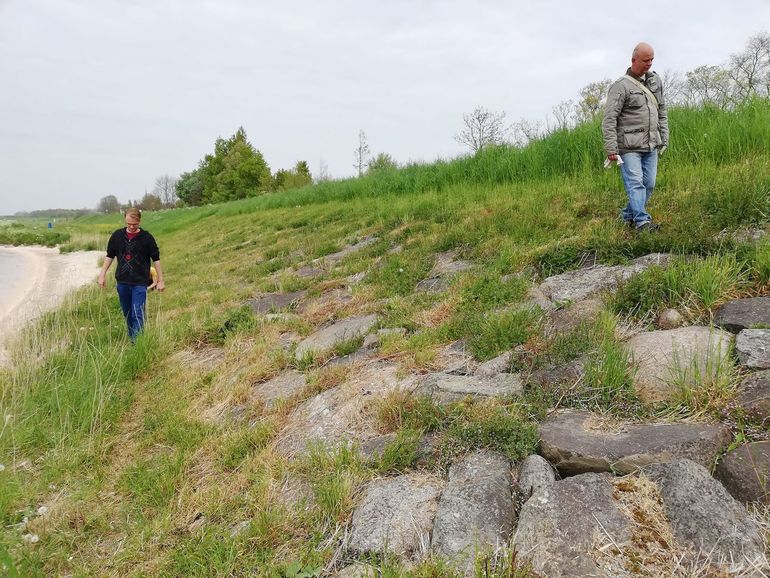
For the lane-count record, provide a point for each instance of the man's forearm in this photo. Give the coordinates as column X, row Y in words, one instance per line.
column 158, row 270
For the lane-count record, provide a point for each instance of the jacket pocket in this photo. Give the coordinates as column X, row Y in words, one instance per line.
column 635, row 99
column 633, row 138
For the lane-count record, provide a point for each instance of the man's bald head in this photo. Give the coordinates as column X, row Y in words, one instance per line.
column 641, row 58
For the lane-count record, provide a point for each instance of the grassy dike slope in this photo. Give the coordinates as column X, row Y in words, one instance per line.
column 114, row 462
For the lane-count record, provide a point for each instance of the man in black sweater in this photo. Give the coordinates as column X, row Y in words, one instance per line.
column 135, row 250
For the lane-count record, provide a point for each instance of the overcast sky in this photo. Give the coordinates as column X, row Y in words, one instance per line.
column 103, row 96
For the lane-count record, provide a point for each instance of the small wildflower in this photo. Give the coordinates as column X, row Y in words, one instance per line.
column 2, row 467
column 31, row 538
column 51, row 486
column 42, row 510
column 400, row 269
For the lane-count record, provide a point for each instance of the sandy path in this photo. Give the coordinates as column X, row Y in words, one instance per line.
column 49, row 277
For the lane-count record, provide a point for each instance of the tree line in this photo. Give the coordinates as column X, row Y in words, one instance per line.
column 237, row 170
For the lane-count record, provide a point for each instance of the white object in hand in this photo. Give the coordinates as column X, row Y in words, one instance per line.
column 608, row 162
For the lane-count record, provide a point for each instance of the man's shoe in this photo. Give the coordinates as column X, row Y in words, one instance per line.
column 629, row 224
column 648, row 227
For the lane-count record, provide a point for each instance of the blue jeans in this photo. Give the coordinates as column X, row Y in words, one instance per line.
column 132, row 300
column 638, row 171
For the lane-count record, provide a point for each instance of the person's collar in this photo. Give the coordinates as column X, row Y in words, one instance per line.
column 630, row 73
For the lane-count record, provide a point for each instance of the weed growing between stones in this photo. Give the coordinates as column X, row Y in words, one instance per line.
column 401, row 410
column 705, row 386
column 695, row 286
column 401, row 454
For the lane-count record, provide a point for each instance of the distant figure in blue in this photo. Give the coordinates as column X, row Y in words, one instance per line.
column 136, row 251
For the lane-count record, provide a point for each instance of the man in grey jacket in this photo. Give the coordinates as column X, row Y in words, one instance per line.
column 635, row 130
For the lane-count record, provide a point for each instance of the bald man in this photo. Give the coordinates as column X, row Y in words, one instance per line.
column 635, row 129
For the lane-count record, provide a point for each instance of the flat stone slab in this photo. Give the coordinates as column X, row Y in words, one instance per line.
column 500, row 364
column 334, row 417
column 444, row 388
column 309, row 272
column 583, row 283
column 455, row 358
column 745, row 472
column 705, row 517
column 740, row 314
column 754, row 396
column 396, row 516
column 348, row 250
column 577, row 442
column 665, row 360
column 446, row 264
column 567, row 319
column 561, row 524
column 372, row 341
column 432, row 285
column 282, row 386
column 327, row 338
column 476, row 510
column 753, row 347
column 273, row 302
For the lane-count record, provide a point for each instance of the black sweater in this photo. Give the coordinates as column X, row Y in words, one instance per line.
column 133, row 256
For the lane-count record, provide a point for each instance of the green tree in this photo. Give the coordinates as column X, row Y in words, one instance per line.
column 236, row 170
column 381, row 163
column 189, row 188
column 295, row 178
column 108, row 204
column 150, row 202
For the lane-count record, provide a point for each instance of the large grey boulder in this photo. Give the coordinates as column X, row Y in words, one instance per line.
column 283, row 386
column 753, row 347
column 476, row 510
column 740, row 314
column 444, row 388
column 327, row 338
column 576, row 442
column 535, row 473
column 275, row 301
column 745, row 472
column 561, row 524
column 705, row 517
column 584, row 283
column 667, row 360
column 396, row 516
column 754, row 396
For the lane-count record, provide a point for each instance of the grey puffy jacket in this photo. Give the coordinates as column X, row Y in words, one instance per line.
column 632, row 121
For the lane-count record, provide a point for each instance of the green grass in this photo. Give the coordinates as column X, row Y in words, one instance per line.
column 130, row 445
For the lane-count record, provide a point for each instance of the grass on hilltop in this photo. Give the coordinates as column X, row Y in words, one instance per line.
column 124, row 446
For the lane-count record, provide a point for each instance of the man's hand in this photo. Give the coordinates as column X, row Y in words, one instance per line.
column 661, row 150
column 100, row 280
column 612, row 157
column 160, row 285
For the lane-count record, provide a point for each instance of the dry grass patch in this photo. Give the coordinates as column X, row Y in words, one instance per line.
column 438, row 314
column 652, row 550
